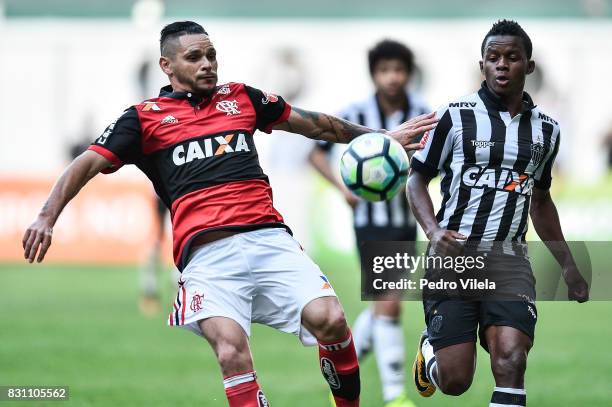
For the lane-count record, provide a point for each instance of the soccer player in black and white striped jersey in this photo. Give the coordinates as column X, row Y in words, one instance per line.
column 494, row 150
column 391, row 66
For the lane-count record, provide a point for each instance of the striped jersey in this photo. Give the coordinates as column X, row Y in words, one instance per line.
column 394, row 213
column 489, row 163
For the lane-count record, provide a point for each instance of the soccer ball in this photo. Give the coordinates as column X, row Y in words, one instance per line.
column 374, row 166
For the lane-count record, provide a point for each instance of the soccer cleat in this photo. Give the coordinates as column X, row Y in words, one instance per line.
column 400, row 401
column 422, row 383
column 149, row 306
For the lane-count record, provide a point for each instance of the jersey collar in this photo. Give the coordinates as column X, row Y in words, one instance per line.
column 168, row 92
column 492, row 100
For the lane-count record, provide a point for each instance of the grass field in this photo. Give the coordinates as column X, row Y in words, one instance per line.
column 80, row 327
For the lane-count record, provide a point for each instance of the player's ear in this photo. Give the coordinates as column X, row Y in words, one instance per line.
column 481, row 64
column 164, row 64
column 530, row 67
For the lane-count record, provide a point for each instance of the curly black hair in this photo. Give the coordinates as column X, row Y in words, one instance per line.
column 509, row 27
column 389, row 49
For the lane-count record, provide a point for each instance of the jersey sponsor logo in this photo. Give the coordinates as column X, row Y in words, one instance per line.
column 224, row 90
column 537, row 153
column 151, row 106
column 209, row 147
column 504, row 179
column 169, row 120
column 269, row 97
column 462, row 104
column 196, row 302
column 228, row 106
column 546, row 118
column 329, row 372
column 262, row 401
column 482, row 144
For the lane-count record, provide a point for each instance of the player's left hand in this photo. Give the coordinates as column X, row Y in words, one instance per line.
column 410, row 130
column 37, row 235
column 577, row 287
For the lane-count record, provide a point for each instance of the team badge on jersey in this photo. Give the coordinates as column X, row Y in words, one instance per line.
column 151, row 106
column 228, row 106
column 537, row 153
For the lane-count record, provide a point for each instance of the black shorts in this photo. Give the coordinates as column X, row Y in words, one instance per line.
column 451, row 322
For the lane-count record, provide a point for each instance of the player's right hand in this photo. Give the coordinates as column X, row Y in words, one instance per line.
column 577, row 287
column 412, row 129
column 447, row 242
column 37, row 236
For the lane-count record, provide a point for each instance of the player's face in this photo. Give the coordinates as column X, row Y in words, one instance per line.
column 505, row 65
column 193, row 66
column 390, row 78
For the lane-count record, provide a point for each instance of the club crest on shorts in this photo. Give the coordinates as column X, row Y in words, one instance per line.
column 329, row 372
column 228, row 106
column 436, row 323
column 262, row 401
column 196, row 302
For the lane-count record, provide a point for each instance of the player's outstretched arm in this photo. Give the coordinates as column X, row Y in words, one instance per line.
column 444, row 242
column 321, row 126
column 78, row 173
column 546, row 223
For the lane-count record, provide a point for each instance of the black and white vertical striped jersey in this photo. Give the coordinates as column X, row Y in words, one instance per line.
column 394, row 213
column 489, row 162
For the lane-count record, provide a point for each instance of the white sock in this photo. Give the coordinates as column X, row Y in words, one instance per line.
column 362, row 332
column 428, row 354
column 508, row 397
column 388, row 340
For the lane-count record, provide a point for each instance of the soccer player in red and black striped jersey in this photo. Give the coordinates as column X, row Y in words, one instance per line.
column 238, row 259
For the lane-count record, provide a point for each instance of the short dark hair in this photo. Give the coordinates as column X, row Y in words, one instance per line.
column 509, row 27
column 178, row 29
column 389, row 49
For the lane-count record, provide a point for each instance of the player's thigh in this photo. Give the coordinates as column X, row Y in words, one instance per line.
column 520, row 316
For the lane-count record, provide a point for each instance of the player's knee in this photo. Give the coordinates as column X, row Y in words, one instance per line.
column 455, row 385
column 233, row 359
column 332, row 325
column 509, row 363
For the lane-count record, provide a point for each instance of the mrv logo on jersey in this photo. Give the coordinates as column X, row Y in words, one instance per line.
column 209, row 147
column 499, row 178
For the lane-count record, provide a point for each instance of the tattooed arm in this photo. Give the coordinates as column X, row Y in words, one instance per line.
column 321, row 126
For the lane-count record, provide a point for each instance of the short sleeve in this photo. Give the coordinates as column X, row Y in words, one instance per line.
column 543, row 175
column 121, row 141
column 270, row 109
column 437, row 145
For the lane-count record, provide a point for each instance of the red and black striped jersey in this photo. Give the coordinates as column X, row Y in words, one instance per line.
column 201, row 158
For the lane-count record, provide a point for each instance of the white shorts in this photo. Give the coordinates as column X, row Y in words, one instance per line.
column 262, row 276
